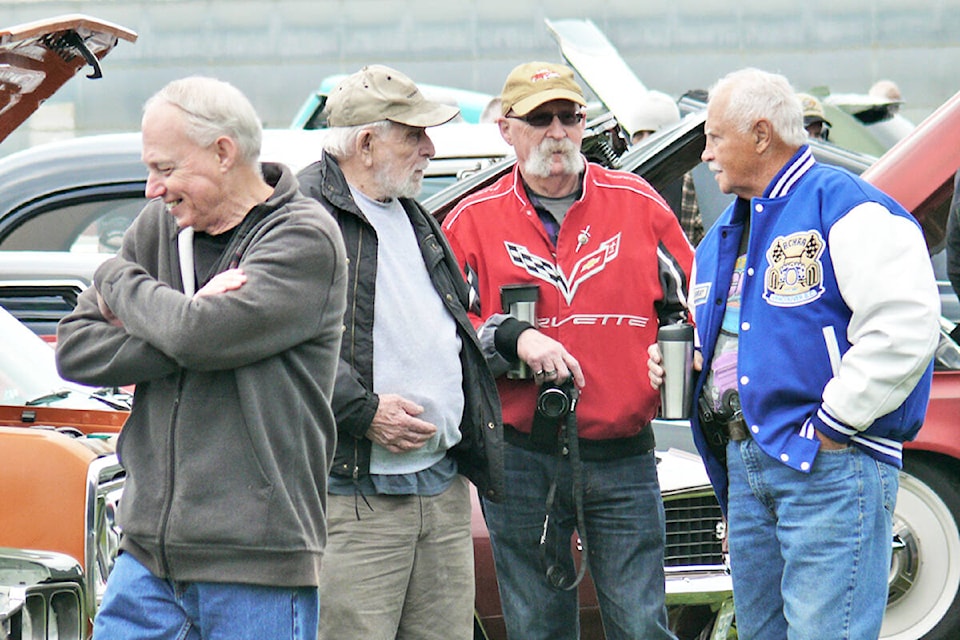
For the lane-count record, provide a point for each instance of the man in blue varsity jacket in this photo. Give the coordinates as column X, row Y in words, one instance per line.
column 817, row 318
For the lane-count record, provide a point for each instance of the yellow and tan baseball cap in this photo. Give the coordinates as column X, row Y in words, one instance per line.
column 531, row 84
column 812, row 110
column 377, row 93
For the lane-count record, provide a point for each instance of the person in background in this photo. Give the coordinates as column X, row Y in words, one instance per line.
column 416, row 406
column 814, row 120
column 653, row 111
column 491, row 112
column 224, row 307
column 816, row 367
column 888, row 90
column 610, row 263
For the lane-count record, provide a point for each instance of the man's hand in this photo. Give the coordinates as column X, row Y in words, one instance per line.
column 106, row 312
column 395, row 426
column 548, row 359
column 826, row 444
column 655, row 370
column 228, row 280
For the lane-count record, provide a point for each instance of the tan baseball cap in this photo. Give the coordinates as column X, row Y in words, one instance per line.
column 531, row 84
column 812, row 110
column 378, row 93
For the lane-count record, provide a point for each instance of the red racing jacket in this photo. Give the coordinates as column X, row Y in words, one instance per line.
column 620, row 268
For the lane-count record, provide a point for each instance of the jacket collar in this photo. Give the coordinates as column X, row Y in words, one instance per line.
column 334, row 185
column 801, row 162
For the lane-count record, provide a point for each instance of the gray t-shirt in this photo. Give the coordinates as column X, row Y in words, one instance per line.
column 416, row 347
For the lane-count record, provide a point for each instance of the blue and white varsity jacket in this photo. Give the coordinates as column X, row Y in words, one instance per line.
column 839, row 316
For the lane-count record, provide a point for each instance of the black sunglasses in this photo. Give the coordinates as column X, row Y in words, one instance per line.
column 543, row 119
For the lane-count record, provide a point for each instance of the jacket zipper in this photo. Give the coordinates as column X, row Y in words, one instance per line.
column 171, row 476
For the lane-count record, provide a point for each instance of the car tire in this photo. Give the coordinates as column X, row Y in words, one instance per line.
column 924, row 599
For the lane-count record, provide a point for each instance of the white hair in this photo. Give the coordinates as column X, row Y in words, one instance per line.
column 214, row 108
column 341, row 142
column 753, row 94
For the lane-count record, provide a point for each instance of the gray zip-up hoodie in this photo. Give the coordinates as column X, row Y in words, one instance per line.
column 231, row 437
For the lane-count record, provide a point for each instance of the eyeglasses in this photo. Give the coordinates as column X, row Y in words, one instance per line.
column 543, row 119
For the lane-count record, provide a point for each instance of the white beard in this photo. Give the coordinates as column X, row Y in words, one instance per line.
column 540, row 161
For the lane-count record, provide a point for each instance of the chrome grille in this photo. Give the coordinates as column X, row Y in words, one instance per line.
column 105, row 480
column 694, row 528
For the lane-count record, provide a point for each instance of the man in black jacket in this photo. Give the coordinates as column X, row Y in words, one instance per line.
column 415, row 404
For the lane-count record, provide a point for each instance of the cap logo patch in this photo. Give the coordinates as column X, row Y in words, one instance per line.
column 544, row 74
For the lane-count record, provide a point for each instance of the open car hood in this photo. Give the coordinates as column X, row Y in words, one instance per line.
column 919, row 170
column 38, row 58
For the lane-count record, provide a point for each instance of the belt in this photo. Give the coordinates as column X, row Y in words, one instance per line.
column 590, row 450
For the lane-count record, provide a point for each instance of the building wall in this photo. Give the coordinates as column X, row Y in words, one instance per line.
column 277, row 51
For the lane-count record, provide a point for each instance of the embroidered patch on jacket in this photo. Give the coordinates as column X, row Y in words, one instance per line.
column 699, row 293
column 544, row 268
column 795, row 274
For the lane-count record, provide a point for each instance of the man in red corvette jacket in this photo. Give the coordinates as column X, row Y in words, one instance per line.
column 610, row 264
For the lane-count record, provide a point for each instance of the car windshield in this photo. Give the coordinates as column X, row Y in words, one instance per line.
column 28, row 373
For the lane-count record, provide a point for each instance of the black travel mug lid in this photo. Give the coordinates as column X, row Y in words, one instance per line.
column 511, row 294
column 681, row 332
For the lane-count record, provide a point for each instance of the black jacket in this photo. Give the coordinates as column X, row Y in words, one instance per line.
column 479, row 454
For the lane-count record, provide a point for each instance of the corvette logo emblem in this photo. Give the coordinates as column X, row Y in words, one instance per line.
column 567, row 284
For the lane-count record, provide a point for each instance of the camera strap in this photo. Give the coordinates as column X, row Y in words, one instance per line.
column 569, row 445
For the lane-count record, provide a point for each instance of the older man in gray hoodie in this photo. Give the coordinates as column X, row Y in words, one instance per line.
column 224, row 308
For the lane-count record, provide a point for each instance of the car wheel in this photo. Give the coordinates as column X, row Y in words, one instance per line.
column 923, row 600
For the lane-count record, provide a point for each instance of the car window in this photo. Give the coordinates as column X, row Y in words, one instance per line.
column 89, row 224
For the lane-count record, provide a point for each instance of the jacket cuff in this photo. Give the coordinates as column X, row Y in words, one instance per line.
column 831, row 426
column 506, row 336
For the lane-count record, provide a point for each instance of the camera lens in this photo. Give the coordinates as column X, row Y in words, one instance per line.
column 553, row 402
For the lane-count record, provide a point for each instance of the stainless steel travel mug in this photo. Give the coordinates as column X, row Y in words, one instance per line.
column 520, row 301
column 676, row 349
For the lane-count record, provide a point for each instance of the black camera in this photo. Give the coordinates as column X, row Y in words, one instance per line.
column 554, row 403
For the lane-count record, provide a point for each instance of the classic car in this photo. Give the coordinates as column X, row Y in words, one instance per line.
column 80, row 194
column 65, row 205
column 59, row 476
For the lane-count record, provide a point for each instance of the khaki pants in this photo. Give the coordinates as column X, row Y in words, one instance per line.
column 403, row 571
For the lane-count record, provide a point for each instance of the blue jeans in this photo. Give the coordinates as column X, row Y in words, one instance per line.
column 809, row 553
column 624, row 524
column 140, row 606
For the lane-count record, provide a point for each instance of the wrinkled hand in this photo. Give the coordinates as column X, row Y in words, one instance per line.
column 655, row 370
column 548, row 359
column 228, row 280
column 107, row 313
column 395, row 426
